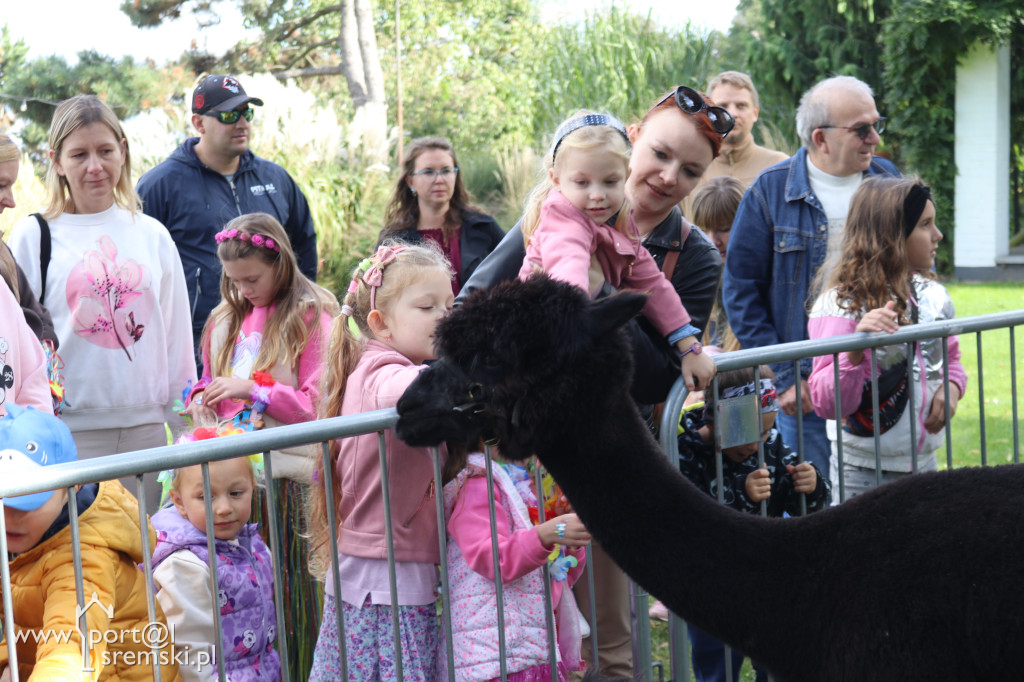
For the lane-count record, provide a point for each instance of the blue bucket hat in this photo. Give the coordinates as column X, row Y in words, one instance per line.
column 29, row 440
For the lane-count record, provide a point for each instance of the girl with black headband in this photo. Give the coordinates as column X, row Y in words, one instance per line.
column 882, row 280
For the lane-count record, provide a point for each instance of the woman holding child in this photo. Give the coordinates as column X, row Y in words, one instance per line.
column 672, row 146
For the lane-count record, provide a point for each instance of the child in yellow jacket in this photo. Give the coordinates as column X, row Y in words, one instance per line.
column 39, row 545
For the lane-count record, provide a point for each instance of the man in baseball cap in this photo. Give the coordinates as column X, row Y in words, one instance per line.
column 215, row 177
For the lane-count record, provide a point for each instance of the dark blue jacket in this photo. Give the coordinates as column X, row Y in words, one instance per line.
column 194, row 202
column 778, row 242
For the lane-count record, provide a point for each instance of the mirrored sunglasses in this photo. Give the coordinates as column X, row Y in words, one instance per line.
column 690, row 101
column 231, row 117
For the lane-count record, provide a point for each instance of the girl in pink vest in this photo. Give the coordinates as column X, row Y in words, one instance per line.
column 523, row 549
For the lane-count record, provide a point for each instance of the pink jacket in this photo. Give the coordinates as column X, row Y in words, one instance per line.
column 471, row 574
column 564, row 242
column 827, row 319
column 21, row 358
column 378, row 381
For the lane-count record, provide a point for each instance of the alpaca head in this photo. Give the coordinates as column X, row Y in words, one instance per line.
column 513, row 354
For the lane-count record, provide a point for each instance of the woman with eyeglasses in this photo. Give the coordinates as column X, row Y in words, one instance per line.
column 113, row 283
column 672, row 146
column 431, row 202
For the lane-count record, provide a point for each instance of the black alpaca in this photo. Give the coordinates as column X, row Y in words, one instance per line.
column 918, row 580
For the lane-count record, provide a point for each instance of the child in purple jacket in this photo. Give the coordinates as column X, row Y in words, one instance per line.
column 245, row 587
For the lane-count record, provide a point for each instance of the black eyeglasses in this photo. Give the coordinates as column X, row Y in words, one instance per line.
column 231, row 117
column 864, row 129
column 690, row 101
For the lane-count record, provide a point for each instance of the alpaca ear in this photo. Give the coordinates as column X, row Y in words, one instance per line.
column 610, row 313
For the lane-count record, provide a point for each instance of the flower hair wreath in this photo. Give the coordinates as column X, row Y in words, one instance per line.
column 259, row 240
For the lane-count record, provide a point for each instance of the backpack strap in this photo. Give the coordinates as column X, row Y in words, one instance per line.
column 669, row 266
column 44, row 254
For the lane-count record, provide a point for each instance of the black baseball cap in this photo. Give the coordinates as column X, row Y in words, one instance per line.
column 220, row 93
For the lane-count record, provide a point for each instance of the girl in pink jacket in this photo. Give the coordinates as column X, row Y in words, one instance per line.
column 578, row 228
column 523, row 549
column 881, row 281
column 395, row 299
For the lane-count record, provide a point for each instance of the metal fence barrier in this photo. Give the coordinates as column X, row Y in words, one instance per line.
column 187, row 454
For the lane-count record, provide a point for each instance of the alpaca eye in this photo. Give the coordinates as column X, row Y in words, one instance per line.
column 491, row 362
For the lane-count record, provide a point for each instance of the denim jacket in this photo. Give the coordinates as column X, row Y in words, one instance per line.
column 778, row 242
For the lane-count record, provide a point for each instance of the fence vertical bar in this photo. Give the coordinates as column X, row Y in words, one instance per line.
column 332, row 533
column 385, row 484
column 442, row 539
column 499, row 592
column 549, row 614
column 838, row 398
column 911, row 403
column 147, row 569
column 76, row 554
column 981, row 410
column 277, row 549
column 1013, row 392
column 211, row 548
column 5, row 584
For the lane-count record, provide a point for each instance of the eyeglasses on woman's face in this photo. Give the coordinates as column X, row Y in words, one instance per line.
column 863, row 130
column 433, row 174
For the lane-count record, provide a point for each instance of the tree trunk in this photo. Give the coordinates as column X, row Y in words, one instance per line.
column 367, row 137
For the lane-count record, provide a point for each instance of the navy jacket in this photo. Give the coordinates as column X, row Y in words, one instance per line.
column 194, row 202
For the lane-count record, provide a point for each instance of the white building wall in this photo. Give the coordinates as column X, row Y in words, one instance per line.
column 982, row 157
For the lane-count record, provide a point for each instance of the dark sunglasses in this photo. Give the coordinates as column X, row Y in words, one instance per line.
column 864, row 129
column 231, row 117
column 690, row 101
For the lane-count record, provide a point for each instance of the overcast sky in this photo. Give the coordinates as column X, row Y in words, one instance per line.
column 66, row 27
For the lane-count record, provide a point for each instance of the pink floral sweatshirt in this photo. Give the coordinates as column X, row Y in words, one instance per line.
column 116, row 292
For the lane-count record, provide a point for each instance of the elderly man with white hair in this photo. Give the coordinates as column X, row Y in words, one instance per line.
column 787, row 225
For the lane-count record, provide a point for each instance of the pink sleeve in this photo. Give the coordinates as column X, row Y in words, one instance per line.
column 561, row 245
column 957, row 373
column 293, row 404
column 470, row 528
column 822, row 379
column 664, row 308
column 25, row 356
column 204, row 380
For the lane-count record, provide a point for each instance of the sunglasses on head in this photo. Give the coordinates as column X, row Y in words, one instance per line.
column 690, row 101
column 864, row 129
column 230, row 117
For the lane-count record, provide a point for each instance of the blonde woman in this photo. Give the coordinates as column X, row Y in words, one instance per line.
column 114, row 286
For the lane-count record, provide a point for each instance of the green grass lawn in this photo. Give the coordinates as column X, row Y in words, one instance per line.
column 979, row 299
column 969, row 300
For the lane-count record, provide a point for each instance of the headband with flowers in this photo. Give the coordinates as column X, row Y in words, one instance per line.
column 255, row 239
column 371, row 271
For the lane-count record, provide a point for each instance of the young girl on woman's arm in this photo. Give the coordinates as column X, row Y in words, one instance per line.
column 578, row 228
column 395, row 299
column 883, row 280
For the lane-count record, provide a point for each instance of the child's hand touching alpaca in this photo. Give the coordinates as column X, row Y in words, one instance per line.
column 573, row 533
